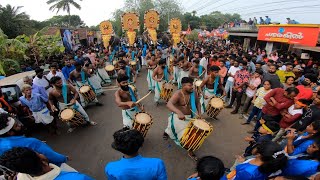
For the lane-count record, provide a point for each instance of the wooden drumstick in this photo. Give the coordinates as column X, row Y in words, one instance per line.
column 143, row 98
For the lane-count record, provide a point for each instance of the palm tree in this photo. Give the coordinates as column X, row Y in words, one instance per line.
column 65, row 5
column 12, row 20
column 194, row 13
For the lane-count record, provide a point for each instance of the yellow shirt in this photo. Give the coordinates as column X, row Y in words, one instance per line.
column 283, row 74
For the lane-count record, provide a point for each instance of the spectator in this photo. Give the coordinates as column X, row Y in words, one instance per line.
column 255, row 21
column 272, row 77
column 41, row 80
column 268, row 20
column 250, row 22
column 288, row 83
column 261, row 21
column 284, row 73
column 68, row 68
column 231, row 73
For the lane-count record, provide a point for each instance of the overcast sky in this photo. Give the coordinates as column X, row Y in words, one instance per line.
column 95, row 11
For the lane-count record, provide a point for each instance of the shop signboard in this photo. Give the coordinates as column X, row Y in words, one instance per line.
column 298, row 34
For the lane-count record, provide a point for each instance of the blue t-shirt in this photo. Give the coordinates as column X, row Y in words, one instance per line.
column 136, row 168
column 8, row 143
column 247, row 171
column 297, row 167
column 67, row 70
column 72, row 175
column 301, row 145
column 222, row 178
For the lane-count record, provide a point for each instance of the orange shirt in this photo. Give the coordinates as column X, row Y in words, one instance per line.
column 214, row 63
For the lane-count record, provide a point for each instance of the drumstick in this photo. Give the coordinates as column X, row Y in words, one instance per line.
column 202, row 74
column 143, row 98
column 195, row 113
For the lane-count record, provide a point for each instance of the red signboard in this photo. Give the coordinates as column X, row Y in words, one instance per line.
column 289, row 34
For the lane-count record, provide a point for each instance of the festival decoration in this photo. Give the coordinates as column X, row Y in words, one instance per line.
column 130, row 23
column 106, row 31
column 151, row 23
column 175, row 28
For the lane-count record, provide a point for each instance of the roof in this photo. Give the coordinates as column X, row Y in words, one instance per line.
column 14, row 79
column 244, row 34
column 308, row 48
column 290, row 25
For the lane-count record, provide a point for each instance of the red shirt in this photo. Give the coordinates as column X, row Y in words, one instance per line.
column 214, row 63
column 304, row 93
column 283, row 102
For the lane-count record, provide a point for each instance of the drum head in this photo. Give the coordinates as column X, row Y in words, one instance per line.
column 109, row 68
column 114, row 62
column 216, row 102
column 67, row 114
column 84, row 89
column 198, row 82
column 143, row 118
column 168, row 86
column 201, row 124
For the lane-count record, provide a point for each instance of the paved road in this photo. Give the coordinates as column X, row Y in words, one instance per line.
column 90, row 147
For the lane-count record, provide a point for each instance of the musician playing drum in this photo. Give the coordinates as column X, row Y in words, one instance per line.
column 183, row 104
column 102, row 73
column 151, row 65
column 212, row 86
column 125, row 98
column 79, row 77
column 62, row 95
column 160, row 75
column 128, row 71
column 197, row 71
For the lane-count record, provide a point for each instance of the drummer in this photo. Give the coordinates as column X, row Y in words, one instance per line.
column 184, row 66
column 151, row 65
column 79, row 77
column 93, row 79
column 176, row 67
column 102, row 73
column 62, row 94
column 212, row 86
column 197, row 71
column 125, row 98
column 160, row 75
column 128, row 71
column 183, row 104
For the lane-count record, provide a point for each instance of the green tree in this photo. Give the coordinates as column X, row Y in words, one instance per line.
column 64, row 5
column 63, row 21
column 13, row 22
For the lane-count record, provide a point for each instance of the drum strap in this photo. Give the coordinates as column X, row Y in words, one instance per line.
column 165, row 71
column 133, row 97
column 83, row 77
column 128, row 73
column 172, row 128
column 193, row 104
column 215, row 85
column 101, row 77
column 65, row 93
column 200, row 69
column 132, row 55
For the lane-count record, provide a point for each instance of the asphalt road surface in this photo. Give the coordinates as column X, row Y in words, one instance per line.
column 90, row 147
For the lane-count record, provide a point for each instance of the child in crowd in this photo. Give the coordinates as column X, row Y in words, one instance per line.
column 265, row 133
column 269, row 159
column 209, row 168
column 291, row 115
column 259, row 102
column 297, row 145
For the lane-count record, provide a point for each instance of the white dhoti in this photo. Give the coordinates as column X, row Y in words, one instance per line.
column 182, row 74
column 43, row 116
column 157, row 90
column 176, row 74
column 176, row 127
column 95, row 83
column 82, row 100
column 143, row 59
column 103, row 75
column 204, row 102
column 151, row 82
column 128, row 116
column 76, row 107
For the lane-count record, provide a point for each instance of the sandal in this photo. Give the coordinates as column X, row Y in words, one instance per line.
column 92, row 123
column 165, row 136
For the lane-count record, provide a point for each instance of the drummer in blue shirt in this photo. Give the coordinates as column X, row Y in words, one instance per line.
column 132, row 165
column 209, row 168
column 29, row 164
column 11, row 135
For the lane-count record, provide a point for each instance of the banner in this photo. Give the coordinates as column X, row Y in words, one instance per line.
column 303, row 35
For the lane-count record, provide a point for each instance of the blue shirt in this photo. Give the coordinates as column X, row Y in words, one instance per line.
column 136, row 168
column 39, row 90
column 67, row 70
column 297, row 167
column 247, row 171
column 301, row 145
column 72, row 175
column 222, row 178
column 8, row 143
column 36, row 102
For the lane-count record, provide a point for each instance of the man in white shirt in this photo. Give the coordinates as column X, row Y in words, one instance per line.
column 41, row 80
column 204, row 62
column 53, row 72
column 229, row 85
column 91, row 56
